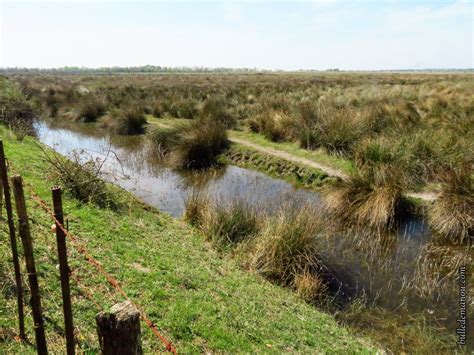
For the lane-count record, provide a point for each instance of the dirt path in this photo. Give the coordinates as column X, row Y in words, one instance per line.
column 425, row 196
column 287, row 156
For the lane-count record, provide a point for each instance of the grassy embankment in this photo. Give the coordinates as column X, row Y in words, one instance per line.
column 203, row 301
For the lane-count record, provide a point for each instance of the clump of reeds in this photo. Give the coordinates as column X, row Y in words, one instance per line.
column 128, row 121
column 320, row 124
column 195, row 145
column 371, row 200
column 224, row 226
column 272, row 124
column 215, row 109
column 452, row 214
column 89, row 110
column 285, row 251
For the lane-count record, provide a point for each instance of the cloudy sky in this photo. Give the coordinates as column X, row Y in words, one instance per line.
column 263, row 34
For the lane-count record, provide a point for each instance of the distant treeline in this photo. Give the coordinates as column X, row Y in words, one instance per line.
column 163, row 69
column 141, row 69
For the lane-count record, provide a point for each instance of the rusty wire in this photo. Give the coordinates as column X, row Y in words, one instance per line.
column 83, row 250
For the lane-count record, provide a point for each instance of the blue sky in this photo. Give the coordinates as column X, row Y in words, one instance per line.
column 264, row 34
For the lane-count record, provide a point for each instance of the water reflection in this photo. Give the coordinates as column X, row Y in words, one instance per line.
column 377, row 268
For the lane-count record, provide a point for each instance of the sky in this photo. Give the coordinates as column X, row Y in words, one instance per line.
column 287, row 35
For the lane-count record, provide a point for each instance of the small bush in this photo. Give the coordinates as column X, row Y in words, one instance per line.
column 452, row 214
column 83, row 180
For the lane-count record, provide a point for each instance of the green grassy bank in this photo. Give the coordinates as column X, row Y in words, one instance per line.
column 203, row 301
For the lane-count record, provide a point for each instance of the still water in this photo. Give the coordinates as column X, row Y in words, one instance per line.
column 380, row 275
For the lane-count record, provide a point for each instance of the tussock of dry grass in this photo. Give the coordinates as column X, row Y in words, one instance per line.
column 452, row 214
column 192, row 146
column 365, row 202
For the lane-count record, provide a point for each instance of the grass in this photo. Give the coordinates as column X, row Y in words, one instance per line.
column 289, row 250
column 367, row 200
column 276, row 167
column 16, row 111
column 205, row 303
column 127, row 121
column 452, row 214
column 317, row 156
column 90, row 109
column 224, row 226
column 195, row 145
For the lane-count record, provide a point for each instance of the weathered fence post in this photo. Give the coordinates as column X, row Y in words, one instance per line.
column 119, row 330
column 24, row 231
column 63, row 269
column 11, row 229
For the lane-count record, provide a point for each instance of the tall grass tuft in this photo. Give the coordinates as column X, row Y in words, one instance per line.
column 224, row 226
column 90, row 109
column 452, row 214
column 128, row 121
column 320, row 124
column 285, row 250
column 372, row 200
column 215, row 109
column 195, row 145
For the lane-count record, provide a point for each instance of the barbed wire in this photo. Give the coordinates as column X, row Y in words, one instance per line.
column 82, row 249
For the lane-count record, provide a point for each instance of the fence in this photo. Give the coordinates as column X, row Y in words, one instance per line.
column 109, row 340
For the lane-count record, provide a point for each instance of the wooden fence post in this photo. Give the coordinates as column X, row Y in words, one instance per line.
column 119, row 330
column 25, row 234
column 63, row 269
column 11, row 229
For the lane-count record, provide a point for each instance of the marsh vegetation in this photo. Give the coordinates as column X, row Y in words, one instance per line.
column 350, row 255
